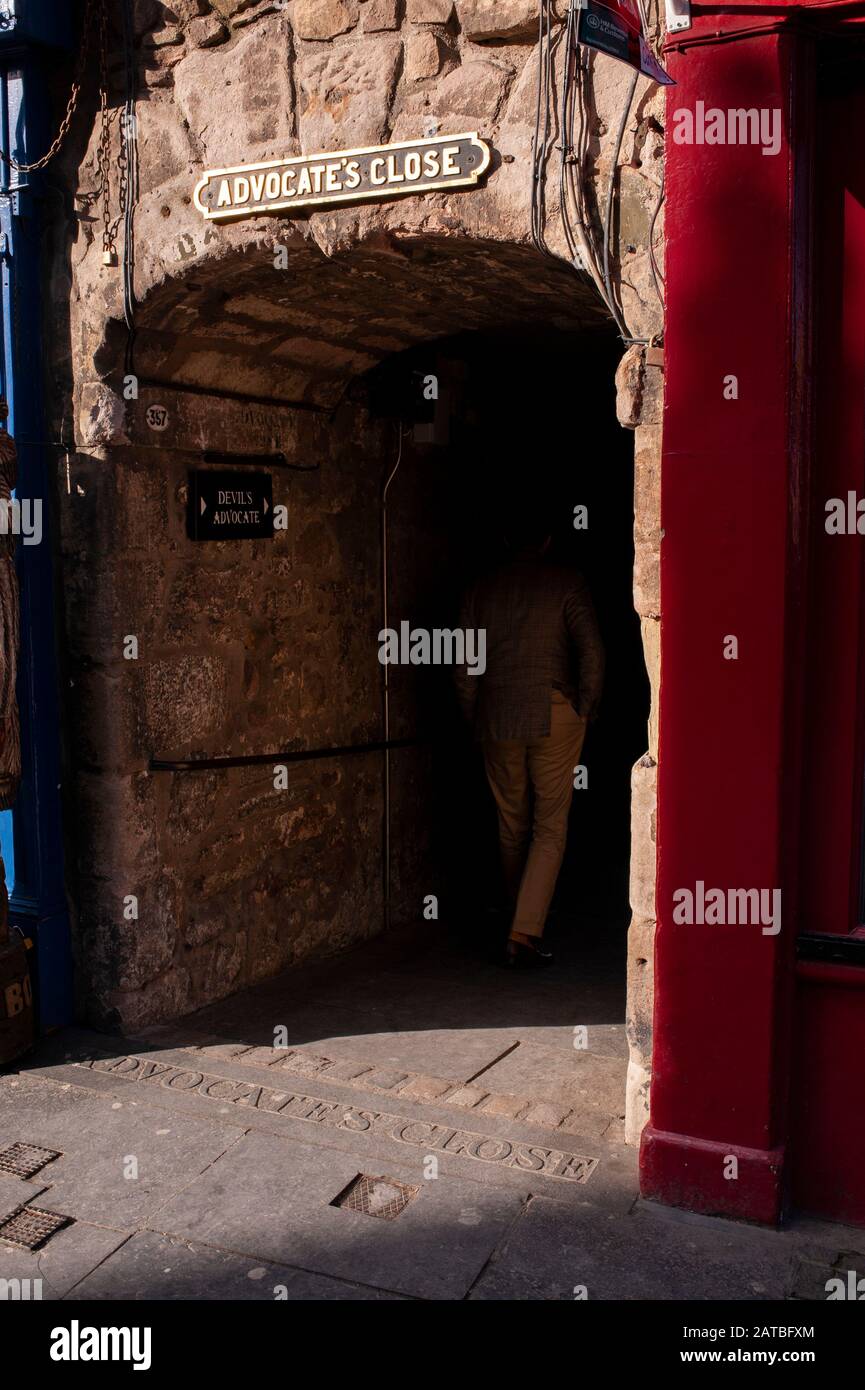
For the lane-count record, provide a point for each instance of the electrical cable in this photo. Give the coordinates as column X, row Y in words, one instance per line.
column 654, row 42
column 795, row 20
column 726, row 36
column 656, row 270
column 575, row 164
column 581, row 251
column 565, row 138
column 608, row 217
column 796, row 24
column 574, row 120
column 544, row 152
column 577, row 177
column 534, row 192
column 129, row 133
column 573, row 144
column 540, row 148
column 386, row 690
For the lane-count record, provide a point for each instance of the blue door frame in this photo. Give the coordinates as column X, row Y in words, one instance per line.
column 31, row 31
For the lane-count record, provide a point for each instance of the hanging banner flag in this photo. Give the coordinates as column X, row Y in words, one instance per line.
column 616, row 28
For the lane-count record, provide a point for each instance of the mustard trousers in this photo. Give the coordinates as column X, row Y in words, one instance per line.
column 532, row 783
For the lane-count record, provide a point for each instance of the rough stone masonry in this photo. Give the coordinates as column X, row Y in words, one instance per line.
column 235, row 645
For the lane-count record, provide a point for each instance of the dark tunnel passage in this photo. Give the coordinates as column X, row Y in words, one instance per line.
column 522, row 419
column 265, row 648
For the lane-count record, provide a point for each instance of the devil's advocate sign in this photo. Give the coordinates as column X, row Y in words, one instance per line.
column 229, row 506
column 382, row 171
column 616, row 27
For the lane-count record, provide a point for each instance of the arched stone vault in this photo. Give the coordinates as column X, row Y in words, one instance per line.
column 235, row 82
column 223, row 82
column 299, row 333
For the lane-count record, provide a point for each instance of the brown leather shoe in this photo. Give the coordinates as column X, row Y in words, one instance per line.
column 521, row 956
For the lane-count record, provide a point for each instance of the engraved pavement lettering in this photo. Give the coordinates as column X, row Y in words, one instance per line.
column 486, row 1148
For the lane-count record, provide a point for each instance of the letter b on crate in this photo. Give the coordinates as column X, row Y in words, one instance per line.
column 16, row 1002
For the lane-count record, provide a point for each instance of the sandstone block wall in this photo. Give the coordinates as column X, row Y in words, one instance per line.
column 236, row 649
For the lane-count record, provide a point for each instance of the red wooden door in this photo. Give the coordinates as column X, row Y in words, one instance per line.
column 828, row 1084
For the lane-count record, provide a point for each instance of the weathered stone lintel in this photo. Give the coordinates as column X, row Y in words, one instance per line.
column 192, row 419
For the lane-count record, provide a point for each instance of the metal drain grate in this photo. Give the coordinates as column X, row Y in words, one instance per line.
column 382, row 1197
column 31, row 1227
column 23, row 1160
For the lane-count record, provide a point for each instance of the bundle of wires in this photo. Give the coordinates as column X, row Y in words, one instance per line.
column 129, row 133
column 588, row 238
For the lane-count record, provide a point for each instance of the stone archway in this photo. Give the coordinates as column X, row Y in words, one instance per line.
column 258, row 327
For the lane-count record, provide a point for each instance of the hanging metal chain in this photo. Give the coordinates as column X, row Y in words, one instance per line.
column 103, row 149
column 87, row 30
column 106, row 120
column 95, row 13
column 111, row 224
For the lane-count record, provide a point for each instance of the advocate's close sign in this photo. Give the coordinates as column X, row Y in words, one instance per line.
column 343, row 176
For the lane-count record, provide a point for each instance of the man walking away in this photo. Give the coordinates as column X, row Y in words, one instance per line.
column 530, row 708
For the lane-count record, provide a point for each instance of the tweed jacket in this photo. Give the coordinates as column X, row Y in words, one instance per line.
column 541, row 635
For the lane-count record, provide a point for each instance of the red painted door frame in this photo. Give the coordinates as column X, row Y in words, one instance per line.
column 828, row 1103
column 735, row 485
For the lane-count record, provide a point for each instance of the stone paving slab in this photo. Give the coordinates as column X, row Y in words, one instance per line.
column 550, row 1254
column 581, row 1082
column 425, row 1005
column 440, row 1052
column 253, row 1019
column 380, row 1037
column 370, row 1134
column 98, row 1138
column 149, row 1266
column 471, row 1014
column 271, row 1198
column 257, row 1222
column 15, row 1192
column 546, row 1088
column 61, row 1263
column 604, row 1039
column 245, row 1095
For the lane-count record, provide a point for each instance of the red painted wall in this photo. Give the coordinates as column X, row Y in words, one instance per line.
column 730, row 468
column 761, row 758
